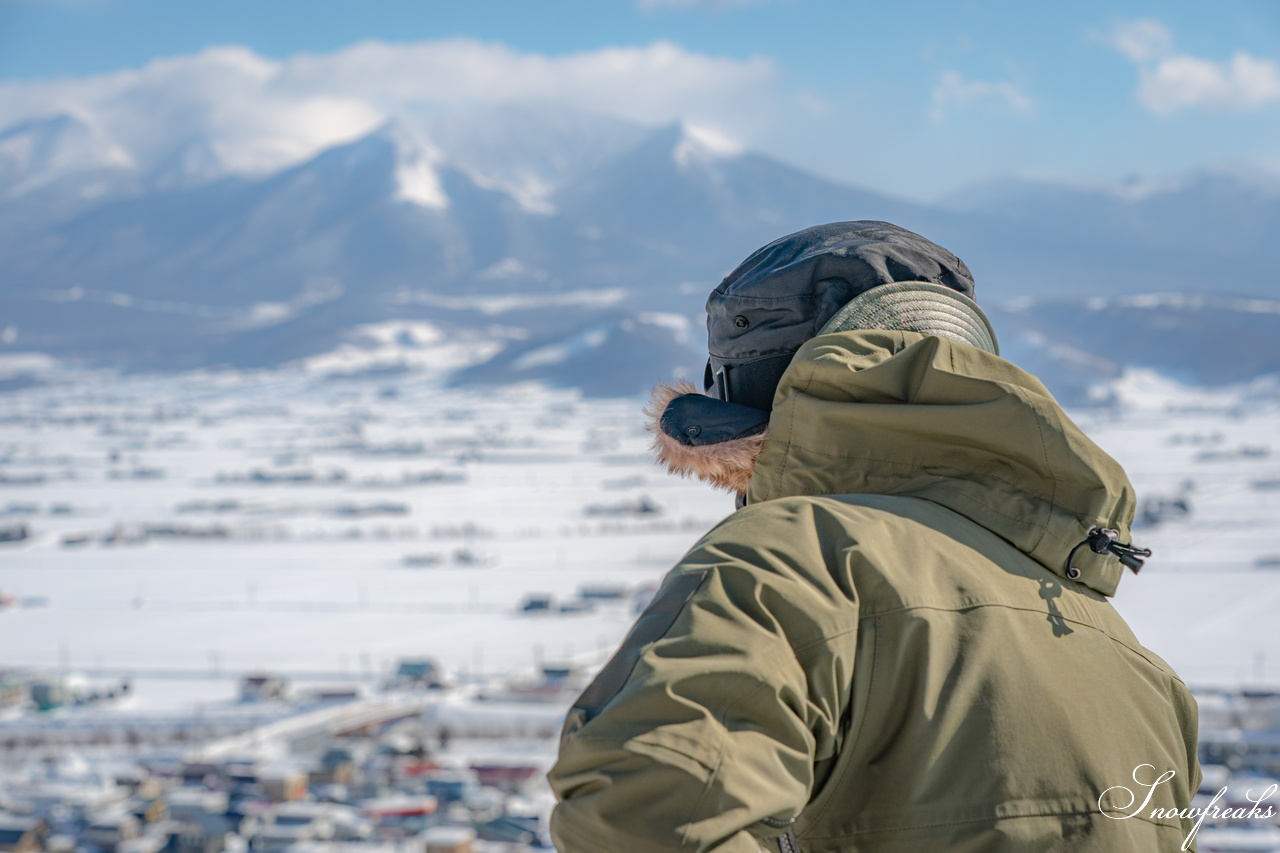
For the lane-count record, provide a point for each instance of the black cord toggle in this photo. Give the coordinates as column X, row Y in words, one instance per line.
column 1106, row 541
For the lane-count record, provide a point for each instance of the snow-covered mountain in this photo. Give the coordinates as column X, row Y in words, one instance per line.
column 529, row 151
column 1078, row 346
column 636, row 351
column 419, row 219
column 1209, row 231
column 552, row 226
column 60, row 149
column 1213, row 211
column 55, row 168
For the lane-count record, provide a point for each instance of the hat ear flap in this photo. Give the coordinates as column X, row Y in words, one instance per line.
column 726, row 465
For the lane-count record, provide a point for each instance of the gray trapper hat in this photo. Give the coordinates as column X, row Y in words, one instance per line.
column 839, row 276
column 910, row 306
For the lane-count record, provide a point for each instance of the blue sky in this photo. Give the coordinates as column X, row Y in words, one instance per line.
column 917, row 99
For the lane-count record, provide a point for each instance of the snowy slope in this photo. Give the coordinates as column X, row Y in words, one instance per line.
column 619, row 356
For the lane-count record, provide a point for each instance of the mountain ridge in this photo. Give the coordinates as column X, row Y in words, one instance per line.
column 553, row 221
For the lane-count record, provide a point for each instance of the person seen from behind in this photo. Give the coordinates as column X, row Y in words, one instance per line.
column 902, row 641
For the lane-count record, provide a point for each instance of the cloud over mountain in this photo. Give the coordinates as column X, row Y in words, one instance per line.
column 228, row 109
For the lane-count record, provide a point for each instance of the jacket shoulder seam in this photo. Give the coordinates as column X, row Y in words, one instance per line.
column 1137, row 650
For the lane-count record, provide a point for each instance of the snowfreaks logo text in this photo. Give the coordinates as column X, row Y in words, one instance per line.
column 1124, row 811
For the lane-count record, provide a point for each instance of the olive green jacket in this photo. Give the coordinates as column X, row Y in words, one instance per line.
column 882, row 651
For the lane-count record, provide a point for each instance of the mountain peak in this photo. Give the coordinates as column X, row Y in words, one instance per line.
column 689, row 145
column 416, row 159
column 529, row 150
column 38, row 152
column 698, row 144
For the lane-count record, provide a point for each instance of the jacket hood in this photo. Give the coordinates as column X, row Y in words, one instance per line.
column 900, row 413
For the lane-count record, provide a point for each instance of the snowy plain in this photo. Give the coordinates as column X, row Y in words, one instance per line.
column 324, row 527
column 496, row 497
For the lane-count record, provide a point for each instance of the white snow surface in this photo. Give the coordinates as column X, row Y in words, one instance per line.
column 310, row 577
column 514, row 492
column 406, row 345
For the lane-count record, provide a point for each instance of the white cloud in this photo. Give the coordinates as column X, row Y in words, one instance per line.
column 1181, row 82
column 1142, row 40
column 242, row 112
column 1169, row 82
column 221, row 106
column 955, row 90
column 659, row 82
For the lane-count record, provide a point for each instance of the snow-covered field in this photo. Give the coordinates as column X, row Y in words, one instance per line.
column 282, row 507
column 496, row 497
column 1208, row 598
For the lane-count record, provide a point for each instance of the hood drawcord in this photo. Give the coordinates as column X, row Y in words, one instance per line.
column 1106, row 541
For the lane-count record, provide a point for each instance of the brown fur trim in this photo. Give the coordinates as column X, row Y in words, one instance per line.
column 727, row 465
